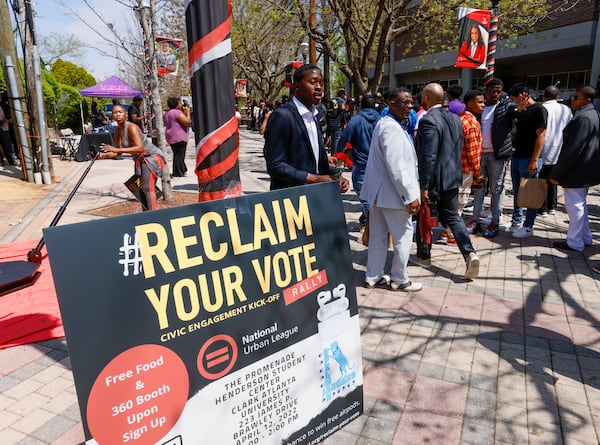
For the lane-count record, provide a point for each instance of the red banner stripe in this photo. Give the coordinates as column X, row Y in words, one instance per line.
column 211, row 39
column 216, row 139
column 216, row 170
column 220, row 194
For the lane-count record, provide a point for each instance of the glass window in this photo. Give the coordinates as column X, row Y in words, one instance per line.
column 562, row 80
column 545, row 81
column 576, row 80
column 532, row 82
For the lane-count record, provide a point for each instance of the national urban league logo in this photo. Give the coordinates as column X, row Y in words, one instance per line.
column 337, row 372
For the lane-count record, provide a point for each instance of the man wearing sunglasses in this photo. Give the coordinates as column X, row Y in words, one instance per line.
column 577, row 168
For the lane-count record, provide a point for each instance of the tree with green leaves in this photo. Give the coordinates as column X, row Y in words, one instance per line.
column 70, row 74
column 357, row 34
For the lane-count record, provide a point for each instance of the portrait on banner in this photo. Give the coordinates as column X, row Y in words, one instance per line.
column 474, row 34
column 166, row 55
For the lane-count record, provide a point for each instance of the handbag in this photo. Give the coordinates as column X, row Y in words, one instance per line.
column 424, row 225
column 365, row 235
column 532, row 192
column 134, row 185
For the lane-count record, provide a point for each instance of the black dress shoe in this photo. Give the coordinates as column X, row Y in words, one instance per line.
column 562, row 245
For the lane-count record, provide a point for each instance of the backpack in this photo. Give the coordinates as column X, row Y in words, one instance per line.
column 332, row 109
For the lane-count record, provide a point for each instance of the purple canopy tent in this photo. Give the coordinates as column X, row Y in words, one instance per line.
column 113, row 87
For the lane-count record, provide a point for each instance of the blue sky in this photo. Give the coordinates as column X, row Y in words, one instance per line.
column 53, row 17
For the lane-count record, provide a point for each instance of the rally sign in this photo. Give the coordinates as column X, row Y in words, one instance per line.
column 225, row 322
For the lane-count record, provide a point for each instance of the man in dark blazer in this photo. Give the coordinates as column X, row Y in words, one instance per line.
column 439, row 144
column 294, row 148
column 577, row 168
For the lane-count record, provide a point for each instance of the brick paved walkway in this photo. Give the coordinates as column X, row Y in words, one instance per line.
column 510, row 358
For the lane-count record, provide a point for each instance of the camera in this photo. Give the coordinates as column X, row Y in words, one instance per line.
column 94, row 150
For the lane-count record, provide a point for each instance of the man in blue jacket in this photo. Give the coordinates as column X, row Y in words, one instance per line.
column 358, row 134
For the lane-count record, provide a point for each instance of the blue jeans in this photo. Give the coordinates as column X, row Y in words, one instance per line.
column 518, row 170
column 358, row 175
column 335, row 133
column 495, row 171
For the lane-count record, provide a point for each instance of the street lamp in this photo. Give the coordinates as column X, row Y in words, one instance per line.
column 304, row 51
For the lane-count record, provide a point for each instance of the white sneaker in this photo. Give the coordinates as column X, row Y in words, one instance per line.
column 406, row 287
column 472, row 266
column 523, row 232
column 385, row 279
column 515, row 227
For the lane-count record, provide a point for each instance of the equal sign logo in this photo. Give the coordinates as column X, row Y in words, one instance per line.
column 217, row 357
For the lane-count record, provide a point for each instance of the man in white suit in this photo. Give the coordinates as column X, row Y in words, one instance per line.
column 391, row 186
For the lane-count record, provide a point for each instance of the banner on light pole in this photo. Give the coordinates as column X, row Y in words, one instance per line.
column 474, row 34
column 166, row 55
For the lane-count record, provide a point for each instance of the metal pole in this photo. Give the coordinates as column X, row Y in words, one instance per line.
column 14, row 92
column 41, row 115
column 493, row 36
column 595, row 74
column 208, row 25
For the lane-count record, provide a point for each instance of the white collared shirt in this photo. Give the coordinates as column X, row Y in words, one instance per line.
column 487, row 118
column 310, row 122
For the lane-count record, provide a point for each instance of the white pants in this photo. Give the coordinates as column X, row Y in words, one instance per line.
column 464, row 191
column 578, row 234
column 398, row 223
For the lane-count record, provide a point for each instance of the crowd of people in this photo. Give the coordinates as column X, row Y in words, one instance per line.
column 419, row 160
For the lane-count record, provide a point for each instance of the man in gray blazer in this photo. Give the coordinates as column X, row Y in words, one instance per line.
column 391, row 186
column 439, row 143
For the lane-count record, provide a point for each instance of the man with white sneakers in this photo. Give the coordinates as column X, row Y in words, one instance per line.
column 391, row 186
column 526, row 160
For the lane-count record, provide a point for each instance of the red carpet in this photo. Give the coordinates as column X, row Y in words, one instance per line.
column 31, row 314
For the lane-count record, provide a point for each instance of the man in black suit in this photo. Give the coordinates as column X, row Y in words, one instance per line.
column 439, row 143
column 294, row 148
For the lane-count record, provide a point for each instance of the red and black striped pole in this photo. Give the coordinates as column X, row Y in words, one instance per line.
column 493, row 36
column 211, row 70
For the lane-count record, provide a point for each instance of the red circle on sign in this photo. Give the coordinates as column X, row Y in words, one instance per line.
column 214, row 353
column 138, row 396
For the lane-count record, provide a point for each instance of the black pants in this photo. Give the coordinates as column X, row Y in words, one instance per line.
column 551, row 200
column 7, row 148
column 448, row 214
column 179, row 167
